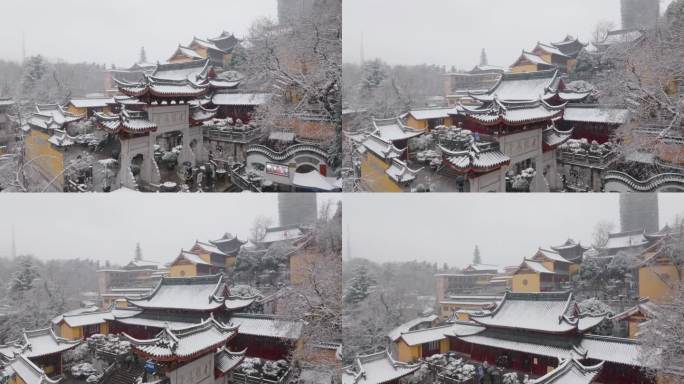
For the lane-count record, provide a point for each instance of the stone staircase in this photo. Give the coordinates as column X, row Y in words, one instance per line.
column 124, row 376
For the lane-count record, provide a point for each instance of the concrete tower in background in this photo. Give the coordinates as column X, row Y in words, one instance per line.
column 639, row 14
column 291, row 10
column 639, row 212
column 297, row 208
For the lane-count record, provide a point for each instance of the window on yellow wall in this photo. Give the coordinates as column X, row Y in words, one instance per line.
column 182, row 273
column 524, row 282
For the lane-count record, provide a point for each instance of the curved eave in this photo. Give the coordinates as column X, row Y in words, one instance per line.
column 476, row 169
column 572, row 329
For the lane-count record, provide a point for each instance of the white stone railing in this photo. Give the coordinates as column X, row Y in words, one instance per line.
column 650, row 185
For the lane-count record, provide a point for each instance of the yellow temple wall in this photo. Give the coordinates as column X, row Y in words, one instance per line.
column 651, row 282
column 76, row 111
column 524, row 68
column 49, row 160
column 407, row 353
column 550, row 265
column 183, row 270
column 15, row 379
column 533, row 282
column 231, row 261
column 69, row 333
column 416, row 124
column 373, row 174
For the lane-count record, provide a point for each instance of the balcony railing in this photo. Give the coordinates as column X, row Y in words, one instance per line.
column 241, row 378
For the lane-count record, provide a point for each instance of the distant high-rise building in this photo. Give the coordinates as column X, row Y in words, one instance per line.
column 297, row 208
column 639, row 14
column 639, row 212
column 289, row 10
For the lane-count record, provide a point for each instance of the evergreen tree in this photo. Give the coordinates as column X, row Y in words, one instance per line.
column 138, row 252
column 23, row 278
column 143, row 56
column 359, row 287
column 477, row 259
column 483, row 58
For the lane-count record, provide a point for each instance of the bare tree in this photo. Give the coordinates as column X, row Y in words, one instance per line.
column 602, row 230
column 601, row 31
column 259, row 227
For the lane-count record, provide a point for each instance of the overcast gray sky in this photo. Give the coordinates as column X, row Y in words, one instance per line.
column 112, row 31
column 453, row 32
column 446, row 227
column 107, row 227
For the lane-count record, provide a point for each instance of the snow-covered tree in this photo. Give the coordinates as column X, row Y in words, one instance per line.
column 359, row 287
column 259, row 227
column 477, row 258
column 601, row 233
column 662, row 339
column 22, row 281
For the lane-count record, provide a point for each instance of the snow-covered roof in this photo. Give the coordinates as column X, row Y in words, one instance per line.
column 193, row 70
column 596, row 114
column 568, row 244
column 644, row 307
column 432, row 113
column 6, row 101
column 516, row 113
column 548, row 312
column 613, row 349
column 200, row 293
column 205, row 44
column 208, row 248
column 315, row 180
column 550, row 255
column 622, row 240
column 395, row 333
column 570, row 371
column 187, row 52
column 155, row 323
column 29, row 372
column 548, row 48
column 43, row 342
column 481, row 267
column 247, row 99
column 535, row 266
column 99, row 102
column 392, row 130
column 532, row 58
column 267, row 326
column 83, row 319
column 429, row 335
column 226, row 360
column 186, row 343
column 523, row 87
column 554, row 138
column 400, row 172
column 376, row 368
column 475, row 156
column 159, row 88
column 381, row 147
column 275, row 234
column 234, row 303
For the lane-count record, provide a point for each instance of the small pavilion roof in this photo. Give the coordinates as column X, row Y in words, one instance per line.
column 571, row 371
column 621, row 240
column 29, row 372
column 554, row 313
column 200, row 293
column 186, row 343
column 533, row 58
column 92, row 102
column 400, row 172
column 392, row 130
column 423, row 336
column 535, row 266
column 473, row 155
column 395, row 333
column 227, row 238
column 376, row 368
column 43, row 342
column 644, row 307
column 553, row 138
column 226, row 360
column 431, row 113
column 285, row 233
column 52, row 116
column 381, row 147
column 206, row 44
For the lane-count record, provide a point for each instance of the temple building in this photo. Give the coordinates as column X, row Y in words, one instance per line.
column 23, row 371
column 88, row 106
column 428, row 119
column 533, row 331
column 228, row 244
column 643, row 311
column 545, row 56
column 42, row 347
column 135, row 278
column 546, row 271
column 658, row 274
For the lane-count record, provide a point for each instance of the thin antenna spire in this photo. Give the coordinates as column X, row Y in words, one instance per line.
column 14, row 244
column 23, row 46
column 363, row 53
